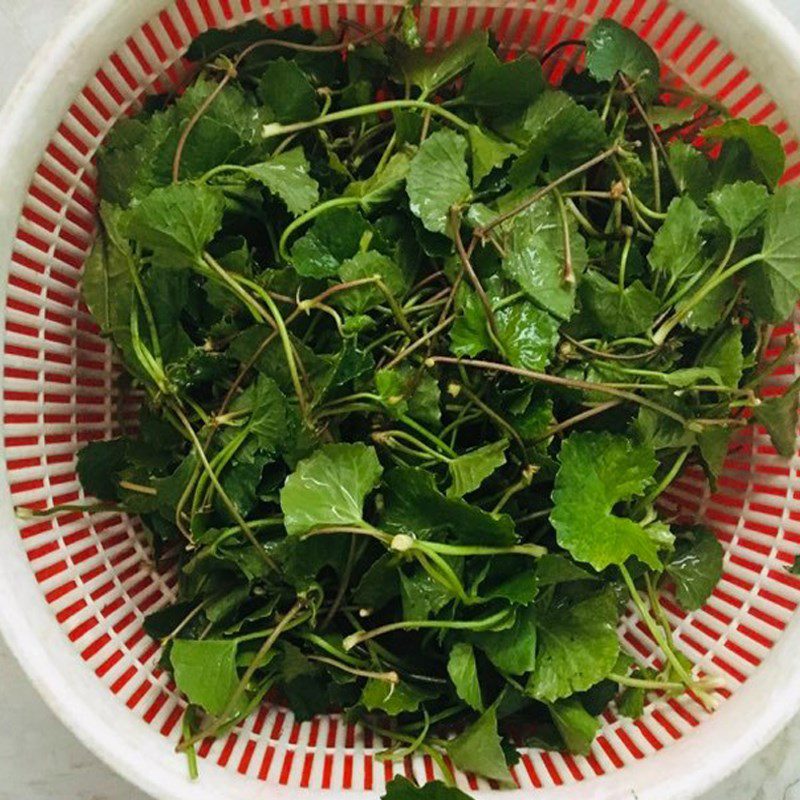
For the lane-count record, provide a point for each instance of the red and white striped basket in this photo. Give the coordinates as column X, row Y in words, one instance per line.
column 74, row 591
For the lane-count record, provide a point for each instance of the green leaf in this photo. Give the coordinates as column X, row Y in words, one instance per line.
column 501, row 85
column 557, row 129
column 713, row 443
column 422, row 596
column 429, row 71
column 611, row 48
column 740, row 206
column 370, row 264
column 267, row 405
column 463, row 672
column 442, row 154
column 415, row 506
column 469, row 470
column 615, row 312
column 669, row 116
column 329, row 487
column 205, row 671
column 696, row 567
column 630, row 703
column 99, row 465
column 108, row 287
column 382, row 187
column 765, row 146
column 527, row 335
column 392, row 698
column 536, row 257
column 379, row 585
column 287, row 176
column 400, row 788
column 691, row 170
column 478, row 749
column 781, row 268
column 678, row 244
column 596, row 471
column 488, row 151
column 553, row 568
column 404, row 390
column 795, row 568
column 513, row 650
column 578, row 647
column 725, row 355
column 286, row 89
column 689, row 376
column 469, row 335
column 575, row 724
column 779, row 416
column 334, row 237
column 177, row 223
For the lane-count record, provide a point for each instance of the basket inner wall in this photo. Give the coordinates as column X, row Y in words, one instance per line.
column 60, row 390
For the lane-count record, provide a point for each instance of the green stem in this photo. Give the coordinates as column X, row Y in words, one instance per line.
column 659, row 337
column 402, row 543
column 485, row 624
column 431, row 437
column 313, row 213
column 276, row 129
column 623, row 262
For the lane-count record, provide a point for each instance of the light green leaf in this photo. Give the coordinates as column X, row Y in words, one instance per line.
column 578, row 647
column 689, row 376
column 478, row 749
column 205, row 671
column 782, row 235
column 779, row 416
column 765, row 146
column 437, row 179
column 287, row 175
column 488, row 151
column 536, row 257
column 267, row 405
column 668, row 116
column 596, row 471
column 381, row 187
column 503, row 85
column 611, row 48
column 725, row 355
column 617, row 313
column 575, row 724
column 392, row 698
column 678, row 244
column 463, row 672
column 696, row 567
column 421, row 595
column 740, row 206
column 329, row 487
column 177, row 223
column 470, row 470
column 335, row 236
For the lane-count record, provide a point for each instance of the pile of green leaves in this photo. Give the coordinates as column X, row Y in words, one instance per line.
column 422, row 340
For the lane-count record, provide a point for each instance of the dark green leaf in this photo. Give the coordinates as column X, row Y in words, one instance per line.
column 677, row 248
column 286, row 175
column 285, row 88
column 741, row 206
column 615, row 312
column 691, row 170
column 536, row 257
column 779, row 416
column 488, row 151
column 502, row 85
column 578, row 647
column 391, row 698
column 99, row 465
column 611, row 48
column 726, row 357
column 415, row 506
column 513, row 650
column 527, row 335
column 765, row 146
column 334, row 237
column 696, row 567
column 370, row 264
column 400, row 788
column 576, row 726
column 177, row 223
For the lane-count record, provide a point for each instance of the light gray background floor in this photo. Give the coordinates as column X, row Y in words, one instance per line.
column 41, row 760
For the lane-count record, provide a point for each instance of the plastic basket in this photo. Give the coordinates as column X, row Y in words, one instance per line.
column 74, row 591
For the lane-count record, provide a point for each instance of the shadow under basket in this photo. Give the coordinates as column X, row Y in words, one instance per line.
column 95, row 572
